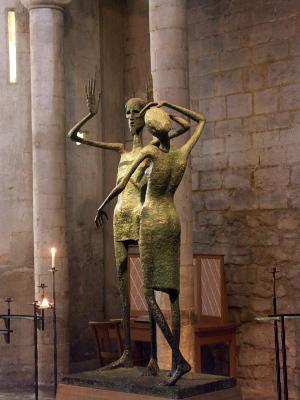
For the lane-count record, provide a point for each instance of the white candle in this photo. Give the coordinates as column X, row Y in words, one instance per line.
column 53, row 252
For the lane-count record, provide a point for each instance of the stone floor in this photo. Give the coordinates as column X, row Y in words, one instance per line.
column 28, row 394
column 24, row 394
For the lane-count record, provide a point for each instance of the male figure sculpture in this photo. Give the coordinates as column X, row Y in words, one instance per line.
column 126, row 220
column 159, row 239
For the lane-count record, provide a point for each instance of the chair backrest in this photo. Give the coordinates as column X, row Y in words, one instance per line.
column 138, row 305
column 210, row 291
column 108, row 340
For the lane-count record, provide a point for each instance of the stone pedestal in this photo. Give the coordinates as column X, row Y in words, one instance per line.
column 67, row 392
column 169, row 68
column 129, row 384
column 49, row 181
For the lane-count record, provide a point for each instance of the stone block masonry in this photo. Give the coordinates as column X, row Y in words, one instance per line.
column 245, row 77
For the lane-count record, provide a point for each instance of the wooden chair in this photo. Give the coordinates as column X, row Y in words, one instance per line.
column 138, row 304
column 108, row 340
column 212, row 326
column 139, row 324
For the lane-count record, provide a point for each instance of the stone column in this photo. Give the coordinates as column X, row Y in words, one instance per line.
column 169, row 67
column 49, row 179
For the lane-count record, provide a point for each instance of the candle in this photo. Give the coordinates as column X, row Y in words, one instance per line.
column 53, row 252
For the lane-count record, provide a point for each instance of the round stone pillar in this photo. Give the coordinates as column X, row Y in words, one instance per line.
column 49, row 178
column 169, row 67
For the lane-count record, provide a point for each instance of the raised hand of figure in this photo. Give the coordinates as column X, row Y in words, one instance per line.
column 100, row 217
column 91, row 100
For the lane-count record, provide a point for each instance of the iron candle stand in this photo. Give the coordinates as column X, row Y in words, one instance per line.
column 36, row 369
column 32, row 317
column 53, row 271
column 7, row 331
column 284, row 364
column 280, row 318
column 43, row 304
column 276, row 339
column 8, row 300
column 39, row 307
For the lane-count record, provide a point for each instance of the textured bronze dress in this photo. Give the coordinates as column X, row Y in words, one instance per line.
column 127, row 211
column 160, row 226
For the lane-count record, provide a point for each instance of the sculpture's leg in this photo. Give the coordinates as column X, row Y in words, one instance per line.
column 182, row 366
column 121, row 254
column 152, row 367
column 175, row 315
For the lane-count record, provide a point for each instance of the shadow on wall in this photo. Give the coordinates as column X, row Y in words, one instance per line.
column 86, row 212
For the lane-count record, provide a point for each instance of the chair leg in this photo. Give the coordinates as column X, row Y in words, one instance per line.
column 98, row 347
column 119, row 340
column 232, row 357
column 198, row 361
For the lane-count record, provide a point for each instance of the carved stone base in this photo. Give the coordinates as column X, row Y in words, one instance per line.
column 129, row 384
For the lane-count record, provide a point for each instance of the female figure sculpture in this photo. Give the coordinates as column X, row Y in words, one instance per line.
column 128, row 208
column 159, row 239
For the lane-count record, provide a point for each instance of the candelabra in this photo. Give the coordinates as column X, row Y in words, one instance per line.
column 38, row 318
column 280, row 318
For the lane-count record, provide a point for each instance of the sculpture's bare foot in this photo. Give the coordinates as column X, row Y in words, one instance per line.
column 183, row 367
column 170, row 373
column 152, row 368
column 125, row 361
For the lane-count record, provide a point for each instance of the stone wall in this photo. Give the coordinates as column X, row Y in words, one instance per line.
column 244, row 73
column 16, row 231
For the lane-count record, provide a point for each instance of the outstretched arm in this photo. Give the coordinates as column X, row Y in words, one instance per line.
column 93, row 106
column 145, row 152
column 198, row 117
column 73, row 135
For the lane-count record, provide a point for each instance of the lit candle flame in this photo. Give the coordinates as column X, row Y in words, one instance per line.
column 44, row 304
column 53, row 253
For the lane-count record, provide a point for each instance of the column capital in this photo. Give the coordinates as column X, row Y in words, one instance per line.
column 58, row 4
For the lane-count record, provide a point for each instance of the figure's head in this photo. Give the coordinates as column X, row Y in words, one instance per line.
column 132, row 110
column 158, row 122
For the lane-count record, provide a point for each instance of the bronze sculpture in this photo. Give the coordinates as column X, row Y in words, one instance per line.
column 127, row 211
column 159, row 239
